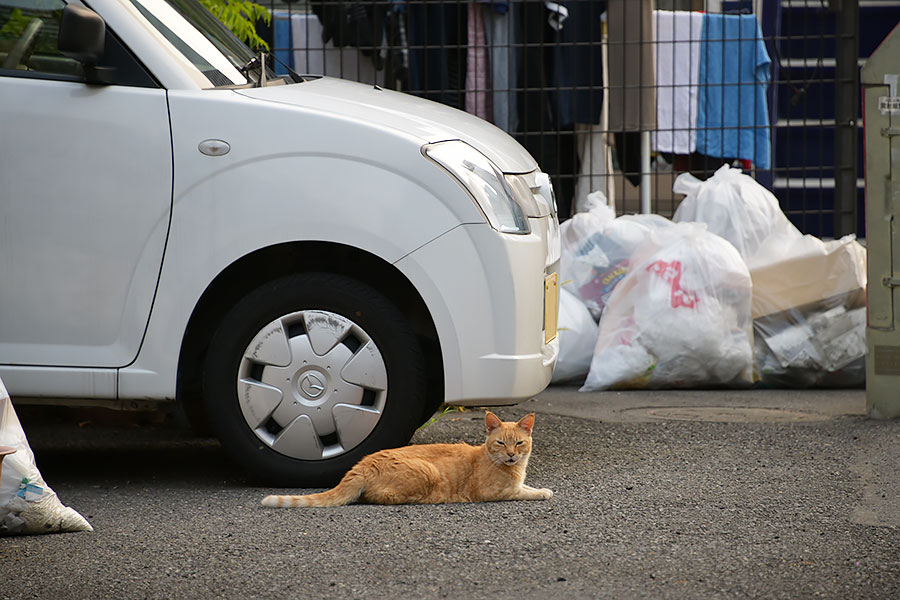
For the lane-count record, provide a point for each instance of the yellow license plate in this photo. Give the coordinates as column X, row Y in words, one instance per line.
column 551, row 306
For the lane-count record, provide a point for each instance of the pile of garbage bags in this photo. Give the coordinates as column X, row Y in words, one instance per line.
column 726, row 294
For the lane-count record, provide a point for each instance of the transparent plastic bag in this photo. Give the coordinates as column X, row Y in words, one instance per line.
column 679, row 318
column 596, row 249
column 734, row 206
column 577, row 337
column 27, row 504
column 821, row 345
column 809, row 313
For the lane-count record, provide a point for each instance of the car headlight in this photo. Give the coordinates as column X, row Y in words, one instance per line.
column 484, row 182
column 545, row 191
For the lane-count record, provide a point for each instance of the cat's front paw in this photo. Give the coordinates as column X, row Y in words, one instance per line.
column 545, row 493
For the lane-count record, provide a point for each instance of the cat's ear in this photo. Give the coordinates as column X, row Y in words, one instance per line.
column 526, row 423
column 491, row 421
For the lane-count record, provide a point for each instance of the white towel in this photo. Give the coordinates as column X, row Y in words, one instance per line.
column 678, row 77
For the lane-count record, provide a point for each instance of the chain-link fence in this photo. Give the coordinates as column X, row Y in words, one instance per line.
column 621, row 96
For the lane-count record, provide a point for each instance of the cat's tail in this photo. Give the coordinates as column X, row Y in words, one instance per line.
column 348, row 490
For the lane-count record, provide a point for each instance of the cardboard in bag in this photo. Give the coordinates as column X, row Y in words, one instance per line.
column 839, row 270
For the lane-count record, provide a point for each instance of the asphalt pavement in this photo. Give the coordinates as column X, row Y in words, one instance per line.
column 713, row 494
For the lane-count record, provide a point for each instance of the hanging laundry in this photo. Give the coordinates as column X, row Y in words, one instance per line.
column 283, row 51
column 733, row 114
column 561, row 85
column 577, row 98
column 577, row 61
column 397, row 51
column 478, row 84
column 437, row 35
column 356, row 24
column 678, row 37
column 595, row 170
column 502, row 27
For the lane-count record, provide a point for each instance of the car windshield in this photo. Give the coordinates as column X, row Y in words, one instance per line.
column 203, row 40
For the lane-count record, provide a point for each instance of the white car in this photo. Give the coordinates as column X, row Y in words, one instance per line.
column 312, row 264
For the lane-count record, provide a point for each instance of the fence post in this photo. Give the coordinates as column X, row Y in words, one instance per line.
column 846, row 111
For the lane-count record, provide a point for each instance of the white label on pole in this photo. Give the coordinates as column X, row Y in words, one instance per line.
column 889, row 104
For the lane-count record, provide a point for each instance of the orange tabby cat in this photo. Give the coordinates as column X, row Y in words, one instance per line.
column 437, row 473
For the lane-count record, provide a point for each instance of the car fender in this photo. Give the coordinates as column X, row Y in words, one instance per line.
column 374, row 191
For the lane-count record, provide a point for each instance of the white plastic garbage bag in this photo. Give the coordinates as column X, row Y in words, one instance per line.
column 808, row 295
column 596, row 250
column 577, row 337
column 679, row 318
column 27, row 504
column 734, row 206
column 593, row 200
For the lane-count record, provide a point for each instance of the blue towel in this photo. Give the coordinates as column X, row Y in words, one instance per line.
column 733, row 115
column 283, row 42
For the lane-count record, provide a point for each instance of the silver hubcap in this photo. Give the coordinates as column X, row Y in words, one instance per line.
column 312, row 385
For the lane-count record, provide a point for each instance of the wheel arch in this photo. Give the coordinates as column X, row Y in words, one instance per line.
column 254, row 269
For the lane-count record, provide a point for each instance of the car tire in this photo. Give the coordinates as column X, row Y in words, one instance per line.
column 309, row 373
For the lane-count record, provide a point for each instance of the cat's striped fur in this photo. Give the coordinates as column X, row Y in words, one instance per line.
column 438, row 473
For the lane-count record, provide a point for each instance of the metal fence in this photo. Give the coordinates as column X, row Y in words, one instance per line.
column 621, row 96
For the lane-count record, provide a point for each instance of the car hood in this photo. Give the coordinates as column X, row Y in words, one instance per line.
column 429, row 121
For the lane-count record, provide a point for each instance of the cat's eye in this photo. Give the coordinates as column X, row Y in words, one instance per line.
column 501, row 443
column 520, row 442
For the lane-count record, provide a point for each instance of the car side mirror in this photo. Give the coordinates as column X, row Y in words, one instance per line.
column 82, row 35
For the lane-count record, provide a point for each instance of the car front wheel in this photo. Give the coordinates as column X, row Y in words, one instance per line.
column 309, row 373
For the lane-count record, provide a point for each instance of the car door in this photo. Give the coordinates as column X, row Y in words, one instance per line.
column 85, row 197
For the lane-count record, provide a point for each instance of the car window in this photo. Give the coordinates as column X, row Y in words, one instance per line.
column 202, row 40
column 190, row 42
column 28, row 38
column 29, row 31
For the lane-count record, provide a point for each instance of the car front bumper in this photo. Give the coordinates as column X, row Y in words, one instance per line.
column 492, row 302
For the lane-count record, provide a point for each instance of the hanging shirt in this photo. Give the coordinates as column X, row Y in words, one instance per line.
column 733, row 114
column 576, row 78
column 678, row 35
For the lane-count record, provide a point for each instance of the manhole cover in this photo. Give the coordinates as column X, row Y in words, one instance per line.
column 726, row 414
